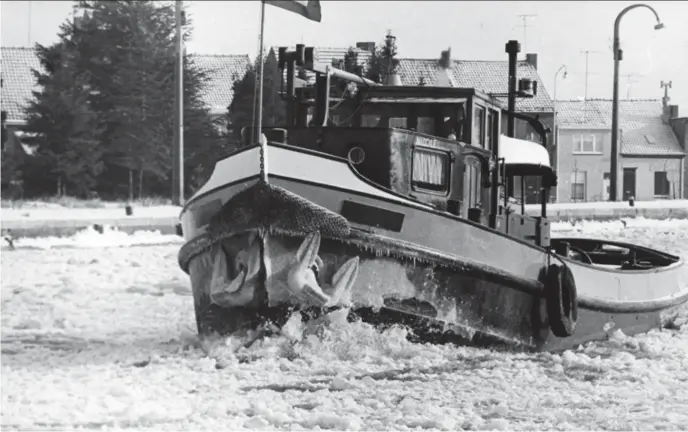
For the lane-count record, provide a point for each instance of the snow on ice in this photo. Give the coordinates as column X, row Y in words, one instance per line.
column 98, row 332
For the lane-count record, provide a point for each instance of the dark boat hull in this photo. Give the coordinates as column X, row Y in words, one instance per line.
column 482, row 285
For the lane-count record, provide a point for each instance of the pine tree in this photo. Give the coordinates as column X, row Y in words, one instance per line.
column 66, row 128
column 301, row 74
column 132, row 78
column 384, row 61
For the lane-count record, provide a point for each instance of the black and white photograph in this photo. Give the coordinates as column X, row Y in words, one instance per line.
column 269, row 215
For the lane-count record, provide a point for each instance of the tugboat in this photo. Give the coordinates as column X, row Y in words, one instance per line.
column 401, row 213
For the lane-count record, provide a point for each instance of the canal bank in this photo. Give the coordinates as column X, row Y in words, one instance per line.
column 165, row 219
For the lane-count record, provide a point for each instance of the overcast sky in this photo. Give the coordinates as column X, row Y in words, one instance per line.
column 474, row 30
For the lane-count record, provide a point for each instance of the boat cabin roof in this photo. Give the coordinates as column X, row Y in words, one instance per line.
column 426, row 94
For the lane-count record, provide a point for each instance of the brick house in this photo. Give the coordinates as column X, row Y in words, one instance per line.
column 18, row 83
column 651, row 162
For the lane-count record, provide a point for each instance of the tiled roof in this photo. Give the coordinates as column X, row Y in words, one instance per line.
column 486, row 76
column 643, row 132
column 325, row 55
column 19, row 82
column 222, row 70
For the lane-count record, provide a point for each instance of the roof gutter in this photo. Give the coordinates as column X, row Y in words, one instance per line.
column 14, row 122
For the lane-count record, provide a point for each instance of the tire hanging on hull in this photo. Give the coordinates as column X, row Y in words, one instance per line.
column 561, row 297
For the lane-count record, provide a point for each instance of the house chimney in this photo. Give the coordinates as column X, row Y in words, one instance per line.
column 445, row 59
column 666, row 108
column 531, row 59
column 673, row 111
column 366, row 46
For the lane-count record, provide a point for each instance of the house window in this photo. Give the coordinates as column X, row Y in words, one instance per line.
column 426, row 125
column 578, row 183
column 661, row 184
column 585, row 144
column 430, row 170
column 471, row 182
column 478, row 126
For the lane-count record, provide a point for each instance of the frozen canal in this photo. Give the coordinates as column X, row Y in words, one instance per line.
column 100, row 333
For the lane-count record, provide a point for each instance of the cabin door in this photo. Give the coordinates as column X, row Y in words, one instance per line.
column 471, row 185
column 628, row 183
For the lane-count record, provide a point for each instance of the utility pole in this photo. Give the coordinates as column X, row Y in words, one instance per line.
column 178, row 146
column 525, row 25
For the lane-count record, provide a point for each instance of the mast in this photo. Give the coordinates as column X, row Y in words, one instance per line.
column 178, row 147
column 263, row 143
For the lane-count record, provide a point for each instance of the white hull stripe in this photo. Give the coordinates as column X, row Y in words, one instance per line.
column 297, row 165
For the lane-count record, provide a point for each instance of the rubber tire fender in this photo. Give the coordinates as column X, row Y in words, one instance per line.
column 561, row 298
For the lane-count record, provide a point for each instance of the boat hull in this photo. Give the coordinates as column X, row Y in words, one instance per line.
column 412, row 261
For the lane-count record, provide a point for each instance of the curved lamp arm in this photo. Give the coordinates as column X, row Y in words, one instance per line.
column 658, row 26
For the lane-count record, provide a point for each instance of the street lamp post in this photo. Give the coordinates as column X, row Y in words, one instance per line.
column 618, row 54
column 555, row 137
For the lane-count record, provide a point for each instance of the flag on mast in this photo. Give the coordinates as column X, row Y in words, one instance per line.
column 306, row 8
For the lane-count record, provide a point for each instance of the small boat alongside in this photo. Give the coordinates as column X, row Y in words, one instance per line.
column 402, row 214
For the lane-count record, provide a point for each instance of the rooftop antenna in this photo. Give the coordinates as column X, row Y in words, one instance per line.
column 587, row 73
column 29, row 26
column 666, row 85
column 525, row 25
column 630, row 81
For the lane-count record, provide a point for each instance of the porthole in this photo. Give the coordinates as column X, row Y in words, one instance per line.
column 356, row 155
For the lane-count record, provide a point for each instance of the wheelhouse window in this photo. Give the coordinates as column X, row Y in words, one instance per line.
column 398, row 122
column 371, row 120
column 426, row 125
column 430, row 170
column 471, row 182
column 478, row 138
column 492, row 130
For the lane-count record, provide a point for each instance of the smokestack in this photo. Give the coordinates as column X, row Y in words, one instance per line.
column 532, row 60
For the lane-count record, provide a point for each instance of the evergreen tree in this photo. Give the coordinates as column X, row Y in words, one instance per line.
column 384, row 61
column 349, row 63
column 301, row 74
column 66, row 129
column 133, row 75
column 243, row 114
